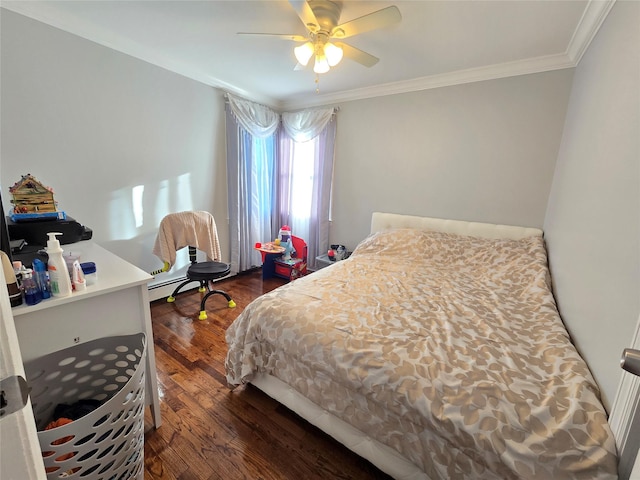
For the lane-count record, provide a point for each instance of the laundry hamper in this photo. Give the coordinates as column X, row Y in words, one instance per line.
column 108, row 442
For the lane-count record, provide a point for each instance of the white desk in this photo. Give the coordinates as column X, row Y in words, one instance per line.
column 116, row 304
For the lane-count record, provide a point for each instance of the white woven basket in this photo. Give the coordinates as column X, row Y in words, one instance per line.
column 107, row 443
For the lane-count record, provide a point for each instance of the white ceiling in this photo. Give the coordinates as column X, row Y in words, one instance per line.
column 436, row 43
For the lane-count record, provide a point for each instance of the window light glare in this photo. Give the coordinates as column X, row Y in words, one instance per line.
column 333, row 54
column 304, row 53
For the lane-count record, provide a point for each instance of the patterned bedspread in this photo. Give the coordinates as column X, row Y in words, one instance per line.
column 447, row 348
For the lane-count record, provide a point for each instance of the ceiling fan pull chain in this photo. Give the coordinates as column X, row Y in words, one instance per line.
column 317, row 83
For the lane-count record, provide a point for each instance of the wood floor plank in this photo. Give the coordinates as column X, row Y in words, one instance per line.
column 210, row 432
column 161, row 461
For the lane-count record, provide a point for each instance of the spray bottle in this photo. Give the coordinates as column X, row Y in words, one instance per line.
column 58, row 272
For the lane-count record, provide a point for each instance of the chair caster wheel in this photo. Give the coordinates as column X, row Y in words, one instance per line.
column 203, row 315
column 171, row 299
column 232, row 304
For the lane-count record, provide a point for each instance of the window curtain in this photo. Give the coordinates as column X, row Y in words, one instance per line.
column 307, row 124
column 306, row 136
column 251, row 151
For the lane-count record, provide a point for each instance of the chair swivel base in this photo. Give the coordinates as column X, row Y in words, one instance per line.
column 203, row 312
column 204, row 272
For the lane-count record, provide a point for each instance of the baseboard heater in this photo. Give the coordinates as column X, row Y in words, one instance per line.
column 168, row 282
column 173, row 281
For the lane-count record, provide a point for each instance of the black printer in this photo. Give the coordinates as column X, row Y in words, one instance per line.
column 28, row 238
column 34, row 232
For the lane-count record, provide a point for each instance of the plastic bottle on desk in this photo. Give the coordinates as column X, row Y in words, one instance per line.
column 17, row 270
column 32, row 294
column 58, row 272
column 42, row 278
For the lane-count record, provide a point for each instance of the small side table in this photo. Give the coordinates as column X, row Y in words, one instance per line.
column 323, row 261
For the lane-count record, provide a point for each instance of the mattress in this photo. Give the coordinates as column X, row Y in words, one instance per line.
column 445, row 348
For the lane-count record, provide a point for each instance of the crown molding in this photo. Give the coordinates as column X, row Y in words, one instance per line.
column 591, row 21
column 491, row 72
column 587, row 28
column 594, row 15
column 68, row 23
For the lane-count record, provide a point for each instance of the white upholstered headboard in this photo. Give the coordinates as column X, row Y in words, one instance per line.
column 385, row 221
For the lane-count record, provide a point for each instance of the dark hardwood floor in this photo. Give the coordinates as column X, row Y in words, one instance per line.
column 210, row 432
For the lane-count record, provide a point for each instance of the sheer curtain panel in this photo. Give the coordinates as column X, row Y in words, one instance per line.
column 251, row 152
column 305, row 174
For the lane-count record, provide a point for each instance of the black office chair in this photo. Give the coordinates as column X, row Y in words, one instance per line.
column 196, row 230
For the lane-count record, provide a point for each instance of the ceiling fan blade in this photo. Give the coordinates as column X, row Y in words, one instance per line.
column 305, row 13
column 283, row 36
column 378, row 19
column 358, row 55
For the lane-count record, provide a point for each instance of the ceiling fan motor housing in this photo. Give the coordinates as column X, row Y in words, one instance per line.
column 321, row 19
column 327, row 13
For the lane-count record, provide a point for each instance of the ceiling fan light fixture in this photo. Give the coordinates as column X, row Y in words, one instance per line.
column 304, row 53
column 321, row 65
column 333, row 54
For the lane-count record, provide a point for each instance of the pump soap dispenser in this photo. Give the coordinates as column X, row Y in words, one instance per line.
column 58, row 272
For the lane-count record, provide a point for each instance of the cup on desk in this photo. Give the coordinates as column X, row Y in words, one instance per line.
column 90, row 272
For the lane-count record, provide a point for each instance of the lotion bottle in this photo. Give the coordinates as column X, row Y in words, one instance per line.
column 57, row 266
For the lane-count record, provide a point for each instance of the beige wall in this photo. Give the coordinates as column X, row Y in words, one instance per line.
column 99, row 126
column 484, row 152
column 592, row 226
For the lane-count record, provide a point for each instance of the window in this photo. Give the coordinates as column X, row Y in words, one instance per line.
column 302, row 186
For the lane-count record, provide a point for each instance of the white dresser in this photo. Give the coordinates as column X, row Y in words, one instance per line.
column 116, row 304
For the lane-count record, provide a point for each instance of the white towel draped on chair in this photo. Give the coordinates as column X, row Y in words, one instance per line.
column 183, row 229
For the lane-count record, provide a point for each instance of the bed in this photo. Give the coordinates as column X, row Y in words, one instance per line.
column 435, row 351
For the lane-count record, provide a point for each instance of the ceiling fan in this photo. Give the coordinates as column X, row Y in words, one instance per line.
column 323, row 41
